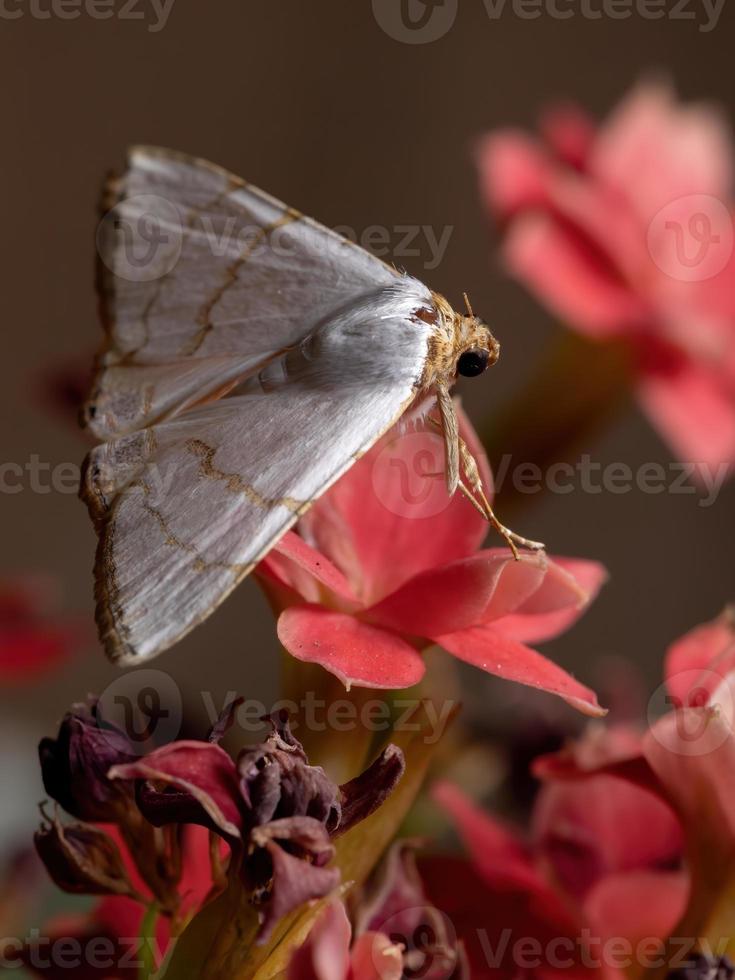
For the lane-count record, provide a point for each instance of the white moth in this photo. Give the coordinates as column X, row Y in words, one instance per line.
column 320, row 348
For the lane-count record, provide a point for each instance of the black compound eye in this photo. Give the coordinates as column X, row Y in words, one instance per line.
column 472, row 362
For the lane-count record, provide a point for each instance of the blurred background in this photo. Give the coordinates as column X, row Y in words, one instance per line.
column 329, row 107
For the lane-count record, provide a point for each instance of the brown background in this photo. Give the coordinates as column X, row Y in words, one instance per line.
column 315, row 103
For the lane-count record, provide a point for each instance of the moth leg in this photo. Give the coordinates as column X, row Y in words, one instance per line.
column 450, row 431
column 472, row 473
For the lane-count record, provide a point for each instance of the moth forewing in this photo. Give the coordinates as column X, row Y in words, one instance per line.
column 188, row 506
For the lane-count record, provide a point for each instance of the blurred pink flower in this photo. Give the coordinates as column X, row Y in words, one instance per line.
column 602, row 859
column 34, row 637
column 684, row 761
column 626, row 231
column 386, row 564
column 397, row 932
column 328, row 954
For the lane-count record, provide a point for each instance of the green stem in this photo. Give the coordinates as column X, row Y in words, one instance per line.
column 148, row 966
column 332, row 723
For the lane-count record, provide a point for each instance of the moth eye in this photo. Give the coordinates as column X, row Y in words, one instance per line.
column 473, row 362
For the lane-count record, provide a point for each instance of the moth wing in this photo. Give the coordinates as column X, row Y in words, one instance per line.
column 203, row 279
column 186, row 508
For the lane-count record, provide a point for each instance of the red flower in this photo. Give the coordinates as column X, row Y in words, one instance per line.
column 601, row 862
column 397, row 933
column 386, row 564
column 33, row 637
column 109, row 937
column 627, row 231
column 632, row 835
column 327, row 953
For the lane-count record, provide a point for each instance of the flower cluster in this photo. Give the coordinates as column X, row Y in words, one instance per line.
column 276, row 814
column 631, row 838
column 626, row 232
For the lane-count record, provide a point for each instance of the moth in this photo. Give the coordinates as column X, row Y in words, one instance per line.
column 243, row 373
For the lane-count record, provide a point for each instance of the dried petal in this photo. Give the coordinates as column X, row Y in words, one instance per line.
column 83, row 859
column 76, row 763
column 363, row 795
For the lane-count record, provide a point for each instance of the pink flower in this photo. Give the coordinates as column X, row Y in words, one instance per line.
column 671, row 864
column 626, row 231
column 602, row 860
column 34, row 638
column 328, row 953
column 397, row 932
column 387, row 564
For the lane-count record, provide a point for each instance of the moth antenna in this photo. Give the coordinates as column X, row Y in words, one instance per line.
column 467, row 304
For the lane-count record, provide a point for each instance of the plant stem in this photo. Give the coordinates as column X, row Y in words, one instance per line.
column 577, row 387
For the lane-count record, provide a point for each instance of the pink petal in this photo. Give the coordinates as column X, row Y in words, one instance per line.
column 515, row 172
column 389, row 518
column 495, row 850
column 357, row 653
column 375, row 957
column 27, row 651
column 122, row 917
column 34, row 636
column 325, row 955
column 653, row 150
column 693, row 407
column 487, row 648
column 464, row 593
column 568, row 588
column 637, row 905
column 304, row 569
column 565, row 275
column 570, row 133
column 200, row 768
column 691, row 750
column 699, row 660
column 601, row 825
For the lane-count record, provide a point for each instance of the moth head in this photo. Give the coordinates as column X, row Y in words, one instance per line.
column 462, row 344
column 477, row 348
